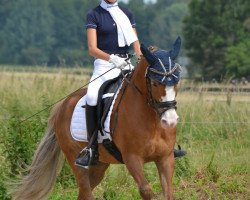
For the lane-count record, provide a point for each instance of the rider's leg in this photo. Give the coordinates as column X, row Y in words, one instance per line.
column 99, row 76
column 90, row 155
column 179, row 152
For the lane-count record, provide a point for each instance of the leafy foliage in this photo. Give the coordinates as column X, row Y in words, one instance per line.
column 238, row 60
column 52, row 32
column 20, row 140
column 212, row 31
column 27, row 34
column 168, row 23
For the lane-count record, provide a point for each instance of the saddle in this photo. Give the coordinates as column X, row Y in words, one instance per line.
column 105, row 99
column 106, row 96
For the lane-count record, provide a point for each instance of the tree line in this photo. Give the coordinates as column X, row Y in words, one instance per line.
column 51, row 32
column 217, row 38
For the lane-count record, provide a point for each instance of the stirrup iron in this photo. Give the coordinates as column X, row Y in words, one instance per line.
column 88, row 153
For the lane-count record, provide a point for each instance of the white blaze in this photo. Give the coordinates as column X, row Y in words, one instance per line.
column 170, row 117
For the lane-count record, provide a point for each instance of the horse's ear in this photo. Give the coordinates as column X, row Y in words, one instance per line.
column 148, row 55
column 176, row 48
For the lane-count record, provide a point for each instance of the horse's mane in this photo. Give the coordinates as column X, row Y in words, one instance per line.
column 153, row 48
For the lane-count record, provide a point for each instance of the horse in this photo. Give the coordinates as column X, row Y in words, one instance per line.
column 144, row 130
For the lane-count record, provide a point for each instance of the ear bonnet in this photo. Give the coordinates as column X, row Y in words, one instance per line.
column 162, row 67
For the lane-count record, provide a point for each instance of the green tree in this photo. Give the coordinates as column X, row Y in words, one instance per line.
column 5, row 8
column 69, row 31
column 210, row 29
column 167, row 24
column 53, row 31
column 159, row 23
column 238, row 60
column 27, row 33
column 164, row 3
column 143, row 14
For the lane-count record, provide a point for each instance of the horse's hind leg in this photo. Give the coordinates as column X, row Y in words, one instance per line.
column 83, row 182
column 135, row 167
column 96, row 173
column 88, row 179
column 81, row 175
column 165, row 168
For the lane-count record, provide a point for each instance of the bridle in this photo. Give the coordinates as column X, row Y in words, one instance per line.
column 160, row 107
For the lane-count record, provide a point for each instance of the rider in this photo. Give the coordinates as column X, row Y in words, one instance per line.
column 110, row 33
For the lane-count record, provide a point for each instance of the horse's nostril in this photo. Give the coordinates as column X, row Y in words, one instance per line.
column 163, row 121
column 169, row 123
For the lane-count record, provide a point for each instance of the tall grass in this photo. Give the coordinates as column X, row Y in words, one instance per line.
column 23, row 92
column 214, row 132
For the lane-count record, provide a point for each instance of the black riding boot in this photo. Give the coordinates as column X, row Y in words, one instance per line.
column 89, row 155
column 179, row 152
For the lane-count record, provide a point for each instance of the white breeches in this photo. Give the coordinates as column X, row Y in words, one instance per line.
column 100, row 67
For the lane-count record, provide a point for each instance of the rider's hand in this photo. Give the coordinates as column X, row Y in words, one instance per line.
column 138, row 57
column 117, row 61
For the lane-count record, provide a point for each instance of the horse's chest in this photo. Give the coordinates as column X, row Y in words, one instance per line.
column 156, row 148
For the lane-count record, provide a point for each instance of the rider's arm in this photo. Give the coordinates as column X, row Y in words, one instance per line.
column 92, row 45
column 136, row 47
column 98, row 53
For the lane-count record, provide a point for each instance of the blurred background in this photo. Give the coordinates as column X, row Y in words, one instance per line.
column 215, row 33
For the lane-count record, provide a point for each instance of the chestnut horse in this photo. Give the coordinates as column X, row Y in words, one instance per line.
column 145, row 131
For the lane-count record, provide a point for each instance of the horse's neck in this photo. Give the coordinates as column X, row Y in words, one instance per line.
column 139, row 79
column 137, row 94
column 135, row 102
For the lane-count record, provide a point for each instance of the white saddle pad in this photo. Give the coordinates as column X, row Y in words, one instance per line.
column 78, row 122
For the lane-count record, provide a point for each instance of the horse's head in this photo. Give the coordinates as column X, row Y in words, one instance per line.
column 162, row 76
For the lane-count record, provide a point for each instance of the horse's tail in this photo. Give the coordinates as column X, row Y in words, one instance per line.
column 46, row 164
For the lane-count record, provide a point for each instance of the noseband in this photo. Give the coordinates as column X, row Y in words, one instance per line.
column 159, row 107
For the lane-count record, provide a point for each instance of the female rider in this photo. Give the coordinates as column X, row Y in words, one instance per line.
column 110, row 33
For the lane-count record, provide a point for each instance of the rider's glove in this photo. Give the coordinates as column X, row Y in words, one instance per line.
column 117, row 61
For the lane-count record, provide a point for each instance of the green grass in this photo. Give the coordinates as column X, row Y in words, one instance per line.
column 215, row 133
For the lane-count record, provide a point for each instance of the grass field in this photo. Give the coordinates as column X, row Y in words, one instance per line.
column 214, row 129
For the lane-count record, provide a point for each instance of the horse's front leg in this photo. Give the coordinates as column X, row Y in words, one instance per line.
column 165, row 168
column 134, row 165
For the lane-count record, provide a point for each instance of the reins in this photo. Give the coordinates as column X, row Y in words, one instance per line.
column 130, row 83
column 129, row 56
column 64, row 97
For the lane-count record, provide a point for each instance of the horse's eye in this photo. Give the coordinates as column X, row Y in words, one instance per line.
column 154, row 83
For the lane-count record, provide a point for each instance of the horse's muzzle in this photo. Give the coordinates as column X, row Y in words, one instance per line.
column 169, row 119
